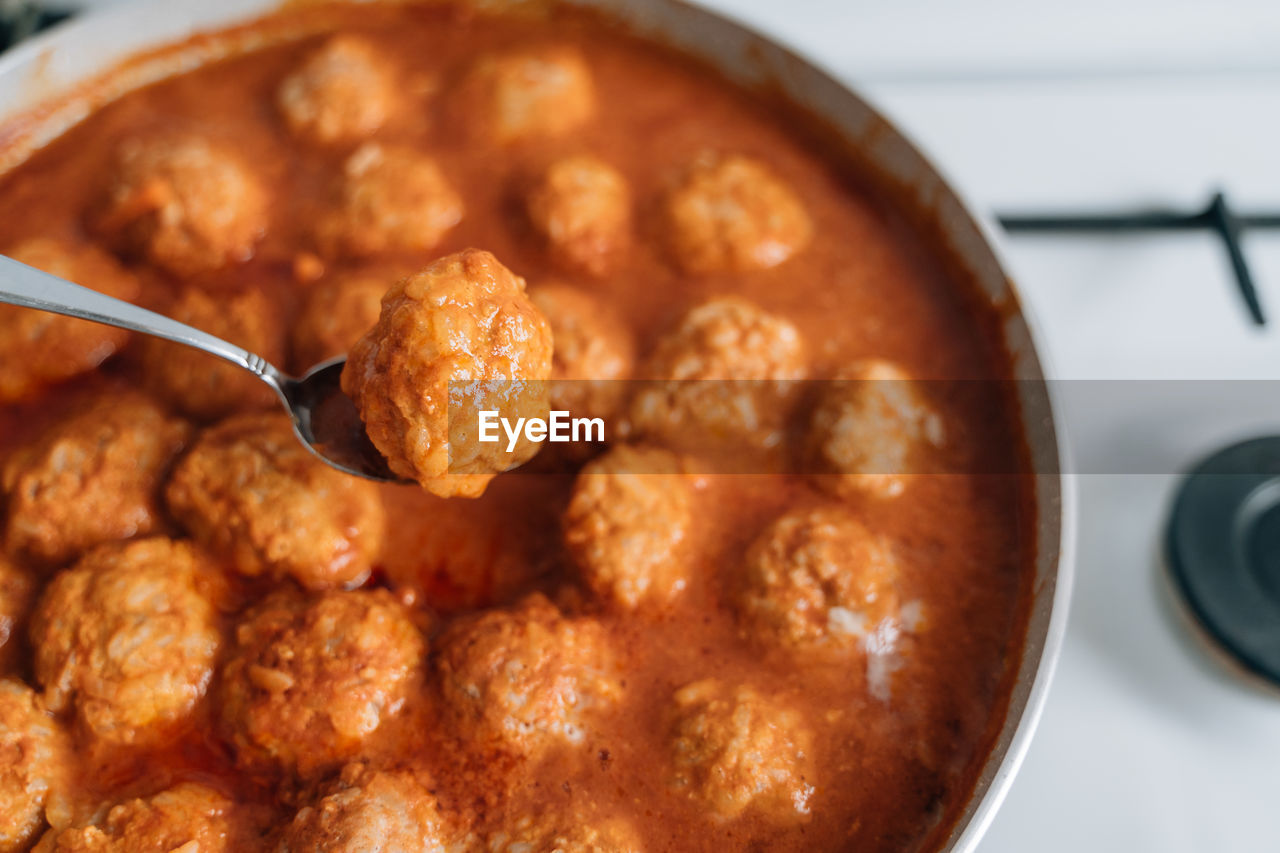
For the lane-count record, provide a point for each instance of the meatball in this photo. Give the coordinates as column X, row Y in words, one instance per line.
column 868, row 428
column 343, row 91
column 16, row 591
column 310, row 678
column 337, row 311
column 594, row 351
column 581, row 207
column 726, row 378
column 733, row 214
column 578, row 831
column 524, row 678
column 543, row 91
column 735, row 749
column 251, row 491
column 129, row 636
column 458, row 338
column 92, row 478
column 184, row 202
column 818, row 577
column 627, row 524
column 35, row 767
column 366, row 811
column 390, row 198
column 38, row 348
column 204, row 386
column 186, row 818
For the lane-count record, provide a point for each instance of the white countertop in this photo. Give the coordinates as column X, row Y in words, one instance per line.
column 1146, row 744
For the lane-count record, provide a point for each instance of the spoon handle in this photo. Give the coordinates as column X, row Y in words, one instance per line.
column 29, row 287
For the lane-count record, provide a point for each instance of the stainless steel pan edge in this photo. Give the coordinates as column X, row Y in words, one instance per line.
column 65, row 59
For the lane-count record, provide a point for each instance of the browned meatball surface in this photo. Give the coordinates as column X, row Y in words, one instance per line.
column 459, row 337
column 389, row 198
column 38, row 348
column 17, row 589
column 204, row 386
column 525, row 678
column 35, row 767
column 128, row 637
column 819, row 577
column 308, row 679
column 581, row 207
column 577, row 831
column 541, row 91
column 735, row 750
column 726, row 378
column 182, row 201
column 871, row 430
column 370, row 811
column 627, row 526
column 91, row 478
column 342, row 91
column 336, row 312
column 733, row 214
column 594, row 351
column 186, row 818
column 251, row 491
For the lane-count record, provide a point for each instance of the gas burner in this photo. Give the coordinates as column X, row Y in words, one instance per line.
column 1223, row 552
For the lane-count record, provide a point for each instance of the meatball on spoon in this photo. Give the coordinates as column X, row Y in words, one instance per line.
column 324, row 418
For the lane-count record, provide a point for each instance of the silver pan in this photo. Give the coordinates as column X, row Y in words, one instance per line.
column 55, row 79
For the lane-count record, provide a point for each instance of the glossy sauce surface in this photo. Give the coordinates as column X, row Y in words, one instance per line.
column 888, row 773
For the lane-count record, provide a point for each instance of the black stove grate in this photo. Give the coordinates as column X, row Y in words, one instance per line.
column 17, row 21
column 1217, row 217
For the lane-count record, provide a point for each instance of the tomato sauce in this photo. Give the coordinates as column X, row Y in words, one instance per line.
column 890, row 774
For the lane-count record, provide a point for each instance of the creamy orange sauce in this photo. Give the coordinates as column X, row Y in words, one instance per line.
column 888, row 774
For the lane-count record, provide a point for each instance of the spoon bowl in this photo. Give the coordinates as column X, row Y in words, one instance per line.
column 329, row 425
column 324, row 418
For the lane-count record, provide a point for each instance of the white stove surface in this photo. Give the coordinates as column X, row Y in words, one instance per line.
column 1147, row 744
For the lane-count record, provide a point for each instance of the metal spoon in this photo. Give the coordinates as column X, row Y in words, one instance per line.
column 324, row 418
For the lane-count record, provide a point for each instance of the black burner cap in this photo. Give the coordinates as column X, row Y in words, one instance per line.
column 1224, row 551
